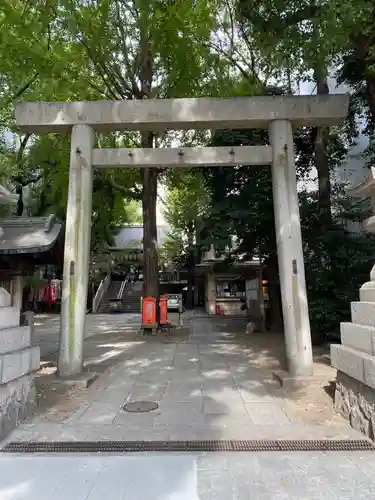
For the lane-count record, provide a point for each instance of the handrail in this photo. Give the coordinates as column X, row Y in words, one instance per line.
column 103, row 287
column 122, row 288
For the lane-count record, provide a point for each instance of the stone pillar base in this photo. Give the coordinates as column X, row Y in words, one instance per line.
column 82, row 381
column 355, row 401
column 288, row 381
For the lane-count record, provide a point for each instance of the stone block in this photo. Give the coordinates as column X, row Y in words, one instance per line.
column 369, row 371
column 11, row 366
column 34, row 359
column 335, row 355
column 29, row 321
column 367, row 292
column 25, row 361
column 14, row 339
column 350, row 361
column 358, row 365
column 5, row 298
column 288, row 381
column 17, row 398
column 9, row 317
column 82, row 381
column 363, row 313
column 17, row 364
column 360, row 337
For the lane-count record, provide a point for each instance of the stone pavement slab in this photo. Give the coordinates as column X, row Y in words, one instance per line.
column 97, row 478
column 211, row 476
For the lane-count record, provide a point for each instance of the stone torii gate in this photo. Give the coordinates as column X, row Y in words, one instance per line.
column 278, row 114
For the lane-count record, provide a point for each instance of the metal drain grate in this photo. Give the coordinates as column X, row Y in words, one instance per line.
column 185, row 446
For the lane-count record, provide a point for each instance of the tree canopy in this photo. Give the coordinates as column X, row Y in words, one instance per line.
column 58, row 50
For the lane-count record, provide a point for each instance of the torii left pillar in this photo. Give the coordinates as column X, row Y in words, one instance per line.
column 77, row 251
column 290, row 255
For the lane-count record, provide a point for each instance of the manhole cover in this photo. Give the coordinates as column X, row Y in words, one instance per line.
column 140, row 406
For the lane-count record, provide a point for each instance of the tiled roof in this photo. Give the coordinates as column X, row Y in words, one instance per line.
column 131, row 237
column 22, row 235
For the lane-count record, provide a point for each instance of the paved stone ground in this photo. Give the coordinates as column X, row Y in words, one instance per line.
column 107, row 341
column 214, row 384
column 47, row 330
column 262, row 476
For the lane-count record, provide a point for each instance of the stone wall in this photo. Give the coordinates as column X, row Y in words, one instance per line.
column 356, row 402
column 18, row 360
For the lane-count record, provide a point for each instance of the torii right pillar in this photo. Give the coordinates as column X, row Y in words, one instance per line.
column 290, row 256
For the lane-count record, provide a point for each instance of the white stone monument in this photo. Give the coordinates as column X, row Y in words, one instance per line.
column 355, row 357
column 18, row 360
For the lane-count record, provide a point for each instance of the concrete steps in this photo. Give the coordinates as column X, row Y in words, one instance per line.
column 131, row 299
column 111, row 293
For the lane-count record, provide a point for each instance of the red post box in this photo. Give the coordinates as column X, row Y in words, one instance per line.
column 163, row 304
column 149, row 312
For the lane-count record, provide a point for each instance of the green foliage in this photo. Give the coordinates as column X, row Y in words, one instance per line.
column 303, row 35
column 186, row 204
column 133, row 211
column 239, row 196
column 43, row 167
column 114, row 49
column 173, row 251
column 337, row 263
column 135, row 49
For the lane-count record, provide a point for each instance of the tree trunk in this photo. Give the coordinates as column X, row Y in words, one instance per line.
column 150, row 235
column 363, row 52
column 321, row 158
column 370, row 91
column 20, row 204
column 149, row 177
column 190, row 284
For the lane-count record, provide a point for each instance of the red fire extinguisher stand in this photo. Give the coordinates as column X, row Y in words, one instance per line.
column 149, row 318
column 163, row 304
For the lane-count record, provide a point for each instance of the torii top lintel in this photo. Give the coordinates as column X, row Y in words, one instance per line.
column 182, row 114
